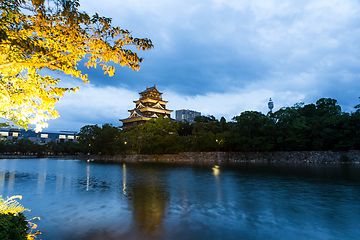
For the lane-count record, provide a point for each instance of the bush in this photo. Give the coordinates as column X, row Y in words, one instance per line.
column 13, row 226
column 13, row 223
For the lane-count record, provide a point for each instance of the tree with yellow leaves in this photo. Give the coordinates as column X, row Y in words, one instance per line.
column 53, row 35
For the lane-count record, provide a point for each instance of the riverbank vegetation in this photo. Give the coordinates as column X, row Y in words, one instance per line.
column 13, row 223
column 303, row 127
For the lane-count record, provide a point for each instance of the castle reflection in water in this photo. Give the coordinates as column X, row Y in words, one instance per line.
column 87, row 200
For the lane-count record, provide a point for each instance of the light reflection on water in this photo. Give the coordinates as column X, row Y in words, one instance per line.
column 124, row 180
column 88, row 200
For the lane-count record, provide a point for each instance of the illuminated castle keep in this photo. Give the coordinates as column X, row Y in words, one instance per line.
column 149, row 106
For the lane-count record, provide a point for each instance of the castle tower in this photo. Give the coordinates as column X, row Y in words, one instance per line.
column 149, row 106
column 270, row 105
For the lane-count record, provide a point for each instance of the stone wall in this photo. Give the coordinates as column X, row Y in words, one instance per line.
column 234, row 157
column 9, row 156
column 222, row 157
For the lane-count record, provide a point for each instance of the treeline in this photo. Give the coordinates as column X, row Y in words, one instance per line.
column 319, row 126
column 28, row 147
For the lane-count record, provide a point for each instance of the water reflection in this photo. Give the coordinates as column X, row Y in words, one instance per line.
column 68, row 181
column 87, row 177
column 2, row 179
column 149, row 197
column 41, row 177
column 164, row 201
column 11, row 181
column 216, row 172
column 124, row 180
column 59, row 176
column 12, row 172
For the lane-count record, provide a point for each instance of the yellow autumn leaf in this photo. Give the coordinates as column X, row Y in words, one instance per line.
column 36, row 37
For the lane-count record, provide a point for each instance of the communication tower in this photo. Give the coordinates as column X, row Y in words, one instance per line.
column 270, row 105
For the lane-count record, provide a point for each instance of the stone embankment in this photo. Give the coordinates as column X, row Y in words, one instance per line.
column 10, row 156
column 220, row 157
column 237, row 157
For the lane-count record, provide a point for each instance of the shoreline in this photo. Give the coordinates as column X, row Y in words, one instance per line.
column 322, row 157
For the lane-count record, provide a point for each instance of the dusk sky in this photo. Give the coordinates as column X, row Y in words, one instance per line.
column 223, row 57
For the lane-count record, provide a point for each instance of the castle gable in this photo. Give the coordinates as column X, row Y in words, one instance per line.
column 158, row 105
column 140, row 105
column 134, row 114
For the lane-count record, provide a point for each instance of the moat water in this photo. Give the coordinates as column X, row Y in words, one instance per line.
column 77, row 199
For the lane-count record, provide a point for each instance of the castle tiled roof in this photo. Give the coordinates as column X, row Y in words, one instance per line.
column 150, row 89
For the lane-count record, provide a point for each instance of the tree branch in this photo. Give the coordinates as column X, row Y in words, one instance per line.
column 33, row 64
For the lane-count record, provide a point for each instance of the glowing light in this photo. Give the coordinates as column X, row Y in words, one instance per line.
column 216, row 170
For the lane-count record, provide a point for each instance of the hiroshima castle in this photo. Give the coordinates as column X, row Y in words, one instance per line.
column 149, row 106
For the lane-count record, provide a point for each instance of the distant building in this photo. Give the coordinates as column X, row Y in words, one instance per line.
column 149, row 106
column 270, row 105
column 40, row 138
column 186, row 115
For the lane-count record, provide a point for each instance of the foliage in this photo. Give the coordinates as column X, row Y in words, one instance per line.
column 204, row 133
column 252, row 131
column 154, row 137
column 53, row 35
column 10, row 205
column 27, row 147
column 100, row 140
column 24, row 146
column 13, row 227
column 290, row 128
column 2, row 146
column 63, row 148
column 13, row 223
column 205, row 119
column 185, row 128
column 357, row 107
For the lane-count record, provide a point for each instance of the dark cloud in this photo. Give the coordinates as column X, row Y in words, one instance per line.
column 244, row 50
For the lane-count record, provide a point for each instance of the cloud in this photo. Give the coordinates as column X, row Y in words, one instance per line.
column 100, row 105
column 232, row 104
column 92, row 105
column 223, row 57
